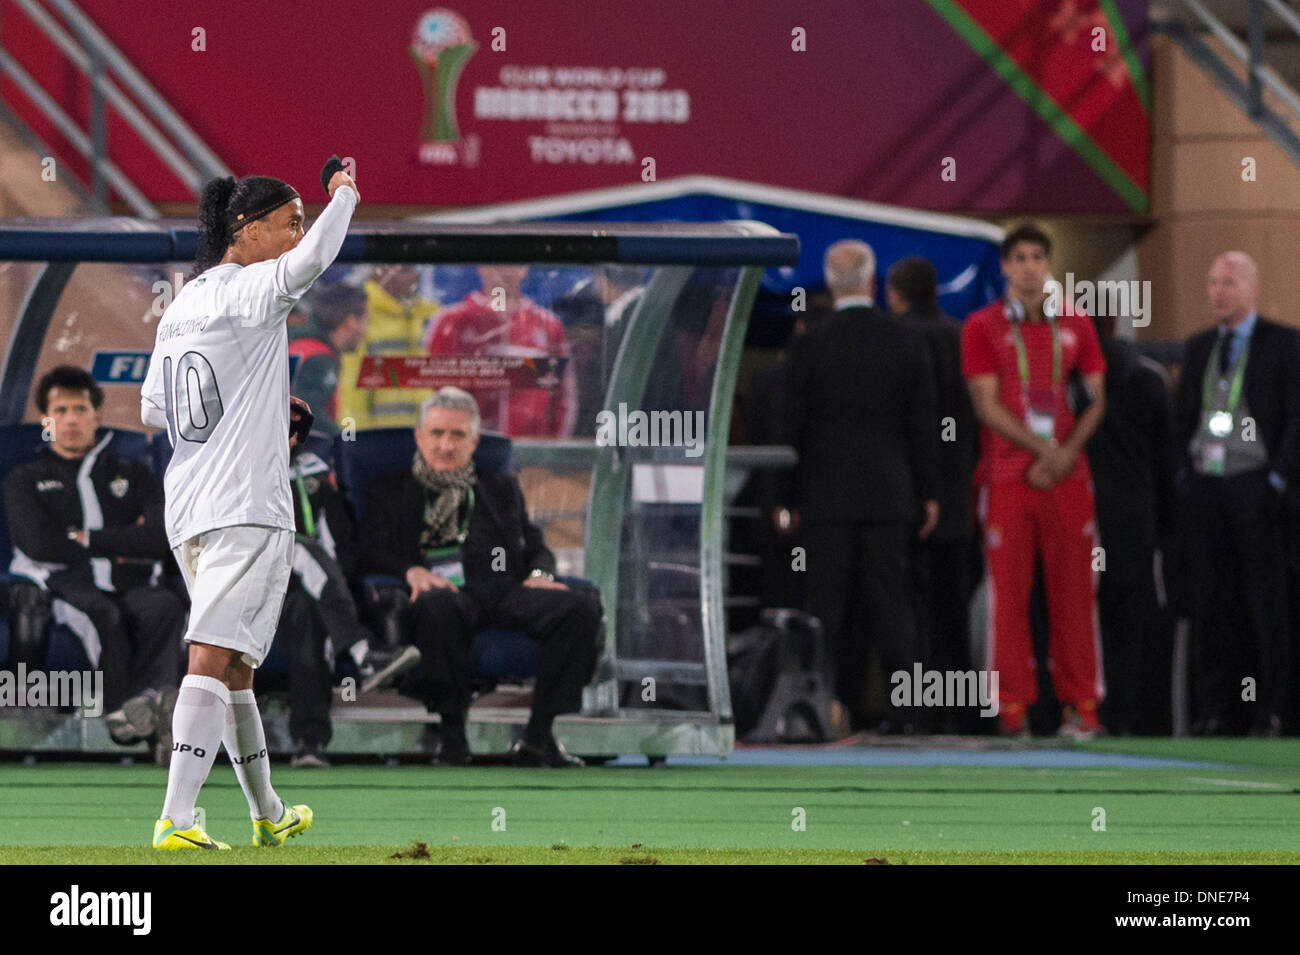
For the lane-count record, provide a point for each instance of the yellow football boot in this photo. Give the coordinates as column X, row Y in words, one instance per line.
column 273, row 833
column 167, row 836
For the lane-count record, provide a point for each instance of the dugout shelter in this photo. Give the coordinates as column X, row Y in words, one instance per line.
column 636, row 510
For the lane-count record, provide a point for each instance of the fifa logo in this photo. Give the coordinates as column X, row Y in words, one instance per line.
column 440, row 47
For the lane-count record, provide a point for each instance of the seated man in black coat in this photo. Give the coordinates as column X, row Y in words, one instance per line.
column 87, row 528
column 464, row 545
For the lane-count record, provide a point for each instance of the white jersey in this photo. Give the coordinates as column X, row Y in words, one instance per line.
column 218, row 381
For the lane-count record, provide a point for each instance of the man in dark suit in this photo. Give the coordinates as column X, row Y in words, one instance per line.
column 462, row 541
column 770, row 537
column 860, row 411
column 595, row 312
column 1238, row 440
column 1131, row 458
column 943, row 561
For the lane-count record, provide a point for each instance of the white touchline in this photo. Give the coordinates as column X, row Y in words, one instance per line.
column 1243, row 783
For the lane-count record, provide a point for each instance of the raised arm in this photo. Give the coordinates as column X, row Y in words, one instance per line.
column 300, row 266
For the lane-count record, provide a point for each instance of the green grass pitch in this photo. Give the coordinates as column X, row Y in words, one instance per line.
column 1239, row 802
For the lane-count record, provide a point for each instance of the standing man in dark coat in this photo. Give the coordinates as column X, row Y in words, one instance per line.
column 1238, row 438
column 771, row 536
column 860, row 411
column 943, row 560
column 1131, row 457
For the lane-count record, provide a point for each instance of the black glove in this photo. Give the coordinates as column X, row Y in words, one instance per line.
column 332, row 165
column 300, row 419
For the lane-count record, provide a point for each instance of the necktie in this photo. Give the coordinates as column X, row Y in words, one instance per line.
column 1225, row 352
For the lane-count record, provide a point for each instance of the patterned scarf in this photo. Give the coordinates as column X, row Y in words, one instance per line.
column 445, row 492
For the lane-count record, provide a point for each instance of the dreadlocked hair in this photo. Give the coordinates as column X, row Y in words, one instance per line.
column 214, row 233
column 215, row 202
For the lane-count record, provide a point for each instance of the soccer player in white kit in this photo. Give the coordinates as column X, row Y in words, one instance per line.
column 219, row 382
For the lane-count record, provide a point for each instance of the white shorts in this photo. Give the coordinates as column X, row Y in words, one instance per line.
column 237, row 577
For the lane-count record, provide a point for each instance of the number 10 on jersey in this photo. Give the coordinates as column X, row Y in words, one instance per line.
column 193, row 398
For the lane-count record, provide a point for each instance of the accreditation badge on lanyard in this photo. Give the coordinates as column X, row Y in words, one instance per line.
column 448, row 562
column 308, row 531
column 1040, row 403
column 1221, row 413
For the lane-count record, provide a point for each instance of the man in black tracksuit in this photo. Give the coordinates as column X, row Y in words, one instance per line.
column 87, row 527
column 319, row 621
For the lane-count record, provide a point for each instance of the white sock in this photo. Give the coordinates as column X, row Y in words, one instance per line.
column 197, row 722
column 246, row 744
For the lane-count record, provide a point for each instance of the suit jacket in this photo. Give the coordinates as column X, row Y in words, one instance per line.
column 1272, row 390
column 1131, row 457
column 957, row 458
column 394, row 517
column 860, row 410
column 765, row 425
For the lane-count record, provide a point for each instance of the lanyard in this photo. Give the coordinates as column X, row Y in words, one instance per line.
column 1238, row 377
column 1022, row 357
column 308, row 519
column 464, row 526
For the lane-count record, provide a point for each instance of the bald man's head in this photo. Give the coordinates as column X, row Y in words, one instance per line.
column 850, row 268
column 1233, row 287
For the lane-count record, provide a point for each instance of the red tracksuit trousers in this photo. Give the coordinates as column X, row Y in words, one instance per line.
column 1058, row 524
